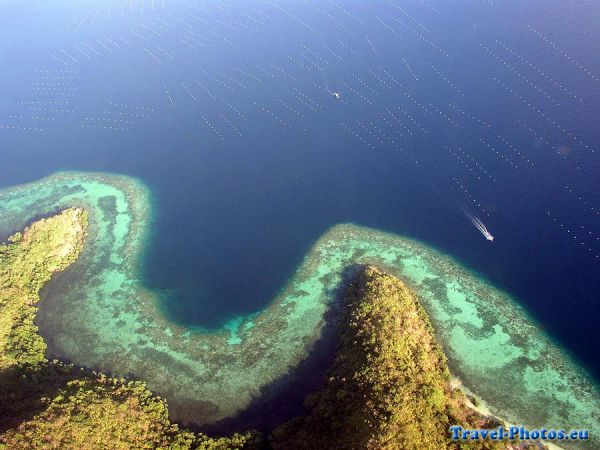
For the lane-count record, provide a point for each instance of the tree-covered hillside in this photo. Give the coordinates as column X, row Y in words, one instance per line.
column 387, row 389
column 49, row 404
column 389, row 385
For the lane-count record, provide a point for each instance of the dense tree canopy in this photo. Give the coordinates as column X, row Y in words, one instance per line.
column 387, row 389
column 49, row 404
column 389, row 385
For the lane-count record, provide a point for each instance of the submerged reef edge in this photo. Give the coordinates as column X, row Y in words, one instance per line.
column 100, row 315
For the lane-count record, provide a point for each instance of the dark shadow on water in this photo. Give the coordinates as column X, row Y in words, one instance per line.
column 277, row 402
column 283, row 399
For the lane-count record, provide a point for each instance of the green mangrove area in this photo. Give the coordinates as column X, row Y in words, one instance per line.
column 388, row 387
column 100, row 315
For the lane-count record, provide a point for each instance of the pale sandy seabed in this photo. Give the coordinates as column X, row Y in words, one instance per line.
column 100, row 315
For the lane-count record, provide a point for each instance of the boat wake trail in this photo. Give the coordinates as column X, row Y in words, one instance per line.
column 477, row 223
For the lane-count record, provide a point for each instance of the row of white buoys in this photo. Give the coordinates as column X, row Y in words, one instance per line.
column 168, row 94
column 161, row 25
column 248, row 75
column 126, row 114
column 417, row 103
column 265, row 71
column 153, row 56
column 50, row 98
column 365, row 85
column 108, row 120
column 388, row 27
column 379, row 78
column 540, row 91
column 500, row 154
column 347, row 48
column 57, row 59
column 314, row 54
column 100, row 126
column 165, row 52
column 90, row 49
column 334, row 54
column 382, row 135
column 231, row 80
column 370, row 42
column 393, row 143
column 469, row 163
column 188, row 91
column 346, row 12
column 326, row 14
column 273, row 115
column 234, row 109
column 410, row 69
column 360, row 138
column 19, row 127
column 290, row 108
column 399, row 123
column 301, row 64
column 220, row 82
column 446, row 79
column 376, row 138
column 563, row 53
column 231, row 125
column 474, row 201
column 308, row 99
column 391, row 126
column 132, row 107
column 210, row 125
column 579, row 235
column 206, row 91
column 297, row 19
column 539, row 71
column 192, row 43
column 52, row 110
column 422, row 37
column 151, row 29
column 387, row 74
column 429, row 6
column 585, row 203
column 282, row 71
column 106, row 123
column 257, row 21
column 137, row 35
column 116, row 117
column 220, row 37
column 370, row 132
column 83, row 53
column 409, row 17
column 469, row 116
column 514, row 149
column 415, row 123
column 545, row 116
column 264, row 17
column 536, row 134
column 15, row 116
column 355, row 92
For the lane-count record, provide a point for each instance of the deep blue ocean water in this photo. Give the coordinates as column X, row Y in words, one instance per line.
column 226, row 111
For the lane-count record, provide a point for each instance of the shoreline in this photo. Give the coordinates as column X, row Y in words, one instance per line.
column 482, row 408
column 234, row 363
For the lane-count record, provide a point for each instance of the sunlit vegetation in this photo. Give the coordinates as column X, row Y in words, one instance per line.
column 27, row 262
column 389, row 385
column 387, row 389
column 49, row 404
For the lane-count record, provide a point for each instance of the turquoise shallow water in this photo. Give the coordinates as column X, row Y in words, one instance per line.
column 99, row 314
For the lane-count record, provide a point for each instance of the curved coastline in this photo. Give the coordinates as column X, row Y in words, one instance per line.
column 100, row 315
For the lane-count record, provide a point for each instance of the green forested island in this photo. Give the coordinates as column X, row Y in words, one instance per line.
column 388, row 388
